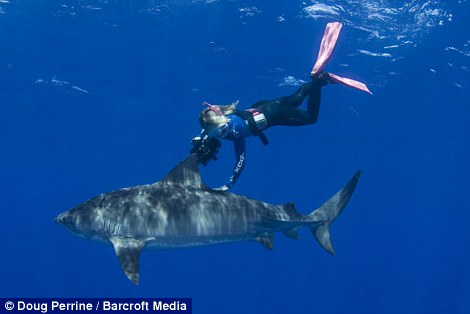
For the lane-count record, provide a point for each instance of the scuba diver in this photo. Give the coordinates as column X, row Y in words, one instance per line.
column 229, row 123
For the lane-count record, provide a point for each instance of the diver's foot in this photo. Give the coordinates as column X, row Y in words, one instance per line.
column 322, row 79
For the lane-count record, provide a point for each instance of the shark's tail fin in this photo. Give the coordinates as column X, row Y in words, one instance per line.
column 323, row 217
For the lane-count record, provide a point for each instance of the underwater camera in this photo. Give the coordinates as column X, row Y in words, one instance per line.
column 205, row 147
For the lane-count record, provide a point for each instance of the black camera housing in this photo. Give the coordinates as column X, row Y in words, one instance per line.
column 205, row 147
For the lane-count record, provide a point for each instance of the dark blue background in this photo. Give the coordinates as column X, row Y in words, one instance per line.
column 99, row 95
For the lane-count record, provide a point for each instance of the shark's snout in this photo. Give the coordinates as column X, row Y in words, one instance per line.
column 59, row 219
column 63, row 219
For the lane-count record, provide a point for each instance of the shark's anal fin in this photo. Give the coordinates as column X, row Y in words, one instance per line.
column 128, row 253
column 292, row 234
column 267, row 242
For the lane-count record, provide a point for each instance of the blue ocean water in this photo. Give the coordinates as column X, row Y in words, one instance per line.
column 96, row 95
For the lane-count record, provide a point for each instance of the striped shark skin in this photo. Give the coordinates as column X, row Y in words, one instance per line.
column 180, row 211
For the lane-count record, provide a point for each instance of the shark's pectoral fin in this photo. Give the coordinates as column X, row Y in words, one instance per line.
column 128, row 253
column 267, row 242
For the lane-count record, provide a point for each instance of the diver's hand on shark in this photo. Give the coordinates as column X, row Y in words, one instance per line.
column 222, row 188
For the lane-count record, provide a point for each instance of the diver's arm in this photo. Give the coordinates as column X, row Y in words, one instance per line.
column 239, row 146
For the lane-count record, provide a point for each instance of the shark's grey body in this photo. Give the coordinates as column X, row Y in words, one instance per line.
column 181, row 211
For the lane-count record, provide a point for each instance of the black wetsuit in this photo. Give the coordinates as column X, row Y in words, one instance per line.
column 285, row 111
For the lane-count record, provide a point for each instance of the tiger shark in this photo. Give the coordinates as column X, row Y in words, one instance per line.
column 180, row 211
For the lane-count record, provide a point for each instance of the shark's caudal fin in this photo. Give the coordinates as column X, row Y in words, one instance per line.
column 324, row 216
column 327, row 47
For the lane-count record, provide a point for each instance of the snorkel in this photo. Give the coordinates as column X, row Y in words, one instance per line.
column 213, row 108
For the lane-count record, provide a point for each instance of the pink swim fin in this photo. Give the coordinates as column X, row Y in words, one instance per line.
column 349, row 82
column 327, row 46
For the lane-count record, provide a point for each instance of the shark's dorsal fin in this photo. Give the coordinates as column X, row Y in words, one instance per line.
column 186, row 173
column 128, row 253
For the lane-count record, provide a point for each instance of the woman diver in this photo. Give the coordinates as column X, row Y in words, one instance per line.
column 228, row 123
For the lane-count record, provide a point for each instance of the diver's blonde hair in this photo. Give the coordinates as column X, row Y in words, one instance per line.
column 210, row 119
